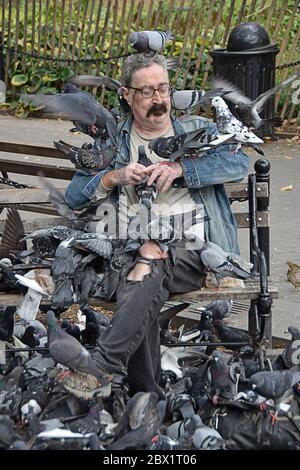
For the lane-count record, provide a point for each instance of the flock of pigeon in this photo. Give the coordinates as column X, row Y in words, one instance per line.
column 50, row 393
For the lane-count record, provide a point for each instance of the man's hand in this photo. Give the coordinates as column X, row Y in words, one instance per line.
column 165, row 173
column 134, row 173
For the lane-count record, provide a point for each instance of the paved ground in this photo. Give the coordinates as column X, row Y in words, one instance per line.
column 285, row 206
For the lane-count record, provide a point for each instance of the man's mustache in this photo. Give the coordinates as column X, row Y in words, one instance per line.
column 157, row 109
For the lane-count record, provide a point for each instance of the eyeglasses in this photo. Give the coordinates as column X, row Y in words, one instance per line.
column 148, row 91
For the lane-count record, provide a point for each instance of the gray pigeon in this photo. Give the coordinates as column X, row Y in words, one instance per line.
column 184, row 100
column 275, row 385
column 143, row 415
column 248, row 110
column 222, row 378
column 150, row 41
column 222, row 264
column 78, row 106
column 93, row 159
column 66, row 350
column 57, row 199
column 291, row 354
column 108, row 82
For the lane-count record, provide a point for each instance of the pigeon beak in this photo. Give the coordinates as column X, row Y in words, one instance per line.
column 253, row 386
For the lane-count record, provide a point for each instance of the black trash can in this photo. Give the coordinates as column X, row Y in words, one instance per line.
column 249, row 63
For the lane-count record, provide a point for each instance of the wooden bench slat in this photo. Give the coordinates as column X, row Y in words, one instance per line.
column 27, row 168
column 251, row 291
column 240, row 190
column 242, row 218
column 50, row 152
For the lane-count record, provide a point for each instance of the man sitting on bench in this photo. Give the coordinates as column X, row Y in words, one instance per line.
column 131, row 345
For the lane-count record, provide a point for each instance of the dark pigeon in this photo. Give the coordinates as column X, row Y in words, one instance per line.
column 92, row 159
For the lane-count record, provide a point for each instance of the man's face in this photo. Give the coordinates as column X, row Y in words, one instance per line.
column 149, row 112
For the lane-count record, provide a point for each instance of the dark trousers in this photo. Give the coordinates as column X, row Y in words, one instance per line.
column 131, row 343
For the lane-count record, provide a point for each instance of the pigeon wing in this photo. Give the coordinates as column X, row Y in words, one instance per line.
column 13, row 233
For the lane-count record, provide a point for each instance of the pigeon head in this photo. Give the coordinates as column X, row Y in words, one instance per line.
column 293, row 330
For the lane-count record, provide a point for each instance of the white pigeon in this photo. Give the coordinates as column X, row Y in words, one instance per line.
column 39, row 283
column 228, row 124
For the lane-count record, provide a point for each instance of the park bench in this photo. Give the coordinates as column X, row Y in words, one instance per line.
column 255, row 218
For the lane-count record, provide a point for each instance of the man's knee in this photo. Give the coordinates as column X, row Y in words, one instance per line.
column 150, row 250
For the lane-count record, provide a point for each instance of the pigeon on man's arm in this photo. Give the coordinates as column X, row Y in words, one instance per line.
column 91, row 158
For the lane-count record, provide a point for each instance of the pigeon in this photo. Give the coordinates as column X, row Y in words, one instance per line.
column 177, row 145
column 247, row 110
column 57, row 199
column 292, row 271
column 228, row 124
column 181, row 406
column 111, row 84
column 184, row 100
column 88, row 424
column 274, row 385
column 13, row 233
column 219, row 308
column 79, row 106
column 71, row 329
column 6, row 322
column 146, row 194
column 142, row 417
column 39, row 283
column 30, row 337
column 93, row 159
column 11, row 391
column 150, row 41
column 222, row 378
column 222, row 264
column 291, row 354
column 166, row 315
column 228, row 334
column 66, row 350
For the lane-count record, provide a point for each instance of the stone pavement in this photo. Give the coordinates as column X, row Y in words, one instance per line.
column 284, row 156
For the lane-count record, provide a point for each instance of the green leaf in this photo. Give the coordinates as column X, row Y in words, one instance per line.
column 50, row 77
column 19, row 80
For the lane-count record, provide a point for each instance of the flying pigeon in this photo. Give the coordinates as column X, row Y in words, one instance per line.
column 108, row 82
column 248, row 110
column 79, row 106
column 228, row 124
column 93, row 159
column 13, row 233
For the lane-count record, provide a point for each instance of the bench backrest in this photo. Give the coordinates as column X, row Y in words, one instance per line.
column 36, row 199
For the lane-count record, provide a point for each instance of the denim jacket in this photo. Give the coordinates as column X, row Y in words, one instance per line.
column 204, row 177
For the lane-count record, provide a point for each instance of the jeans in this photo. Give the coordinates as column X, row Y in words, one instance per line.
column 132, row 342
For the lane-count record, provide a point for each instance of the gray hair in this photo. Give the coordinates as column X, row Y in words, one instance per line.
column 135, row 62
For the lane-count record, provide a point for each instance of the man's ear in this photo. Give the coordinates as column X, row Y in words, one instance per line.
column 125, row 93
